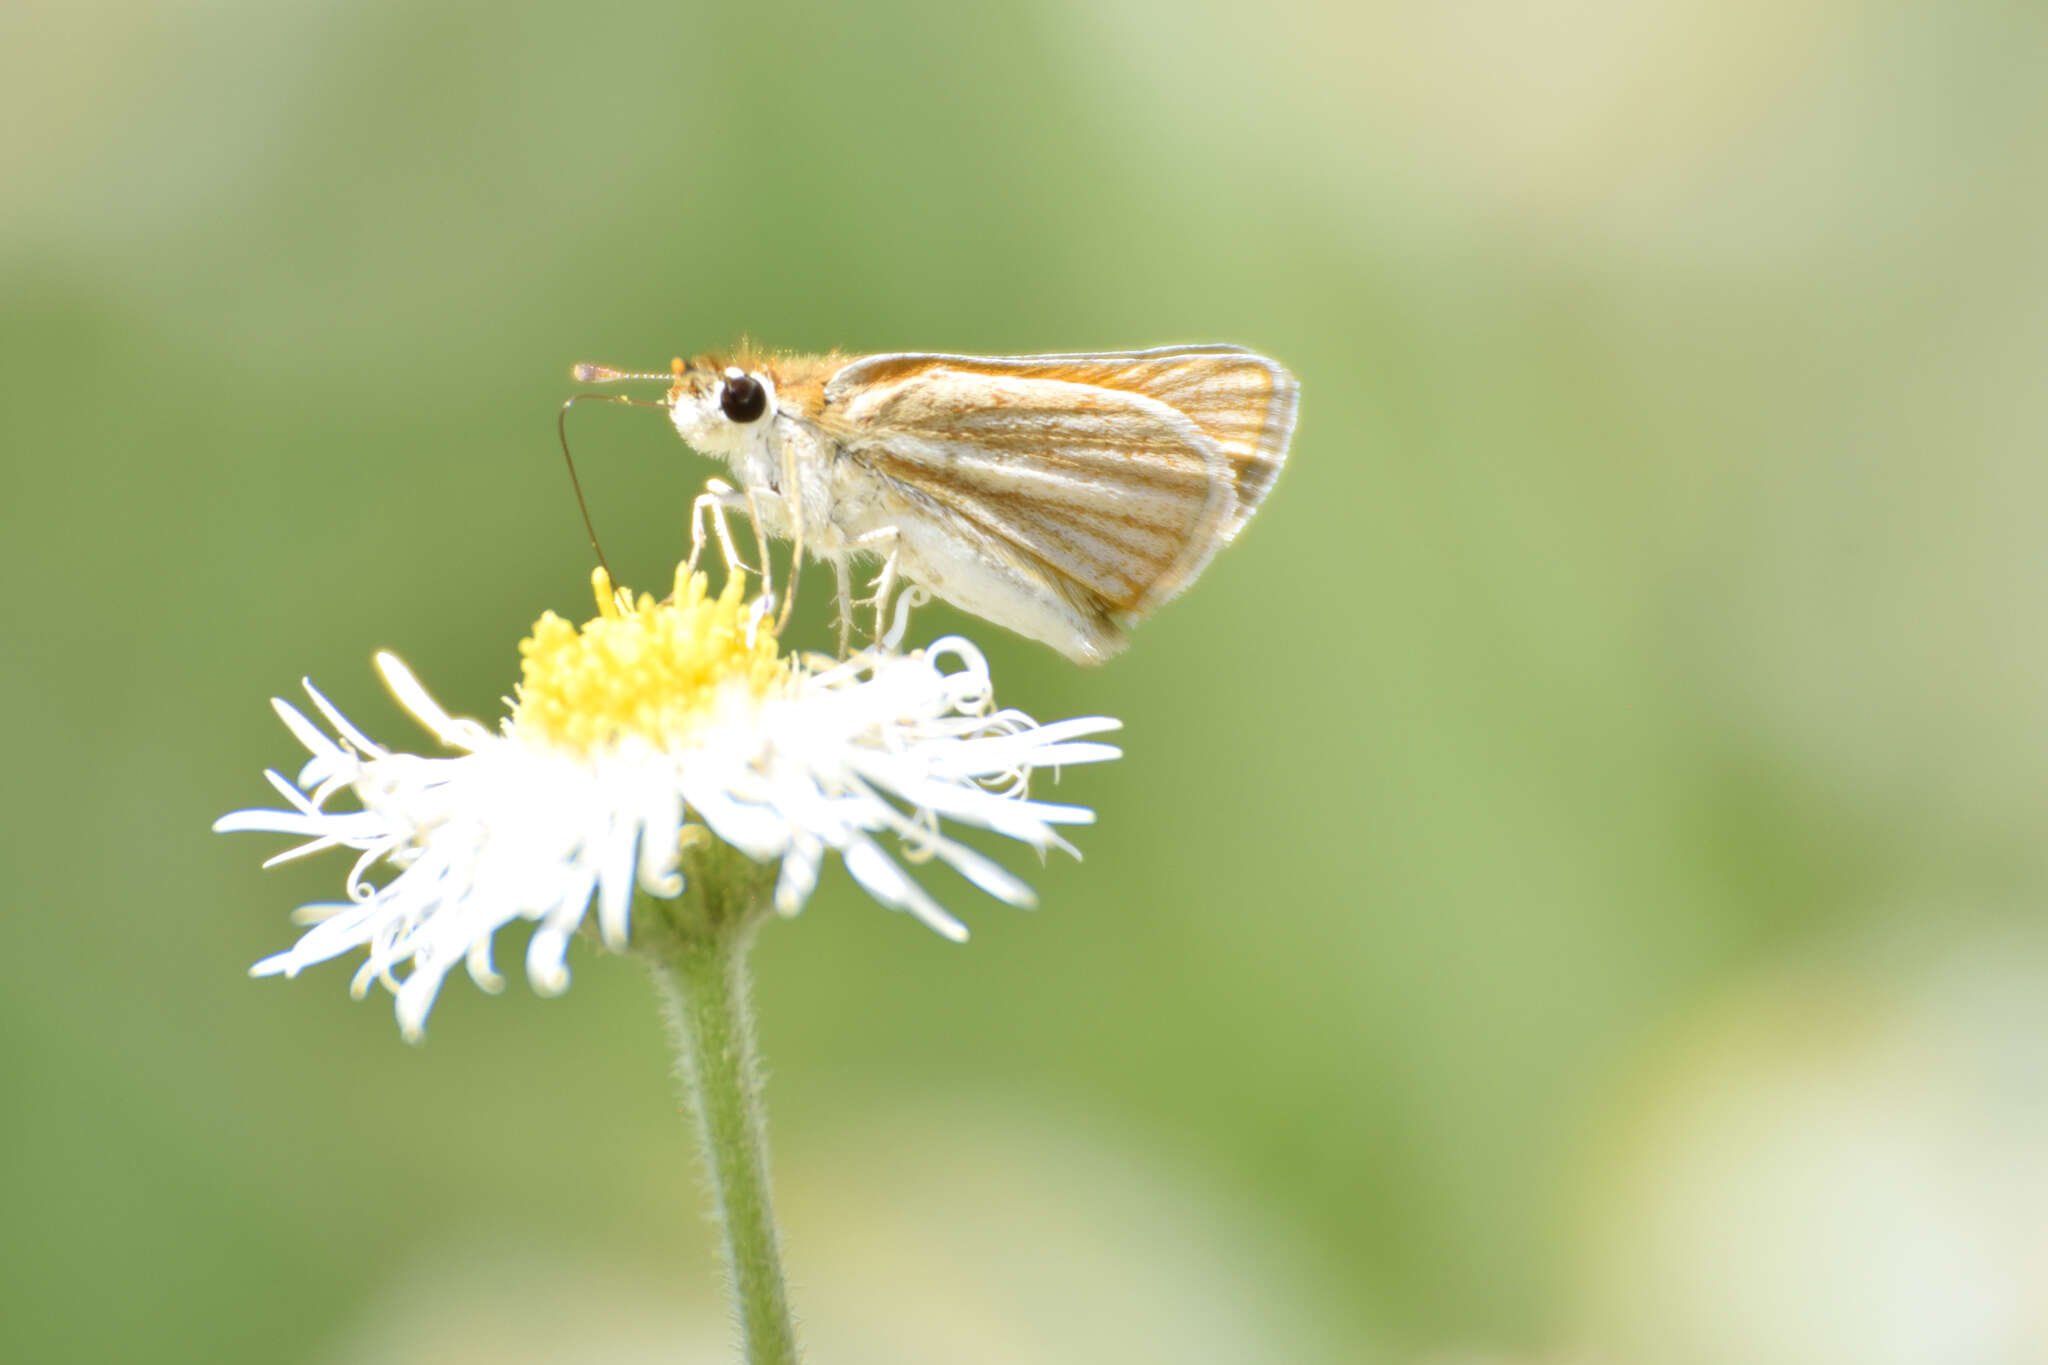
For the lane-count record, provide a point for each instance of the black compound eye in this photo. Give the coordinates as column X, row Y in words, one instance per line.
column 743, row 398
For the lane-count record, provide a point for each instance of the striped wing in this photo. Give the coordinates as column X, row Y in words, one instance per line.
column 1119, row 474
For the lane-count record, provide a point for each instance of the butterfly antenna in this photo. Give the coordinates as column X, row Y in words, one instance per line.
column 562, row 430
column 605, row 374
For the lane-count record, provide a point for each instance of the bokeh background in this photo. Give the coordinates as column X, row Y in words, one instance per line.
column 1576, row 891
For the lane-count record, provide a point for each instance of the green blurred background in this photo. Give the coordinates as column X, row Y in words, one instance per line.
column 1575, row 887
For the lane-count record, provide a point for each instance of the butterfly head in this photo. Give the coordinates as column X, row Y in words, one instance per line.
column 720, row 409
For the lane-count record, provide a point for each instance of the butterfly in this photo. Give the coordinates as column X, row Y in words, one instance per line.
column 1064, row 497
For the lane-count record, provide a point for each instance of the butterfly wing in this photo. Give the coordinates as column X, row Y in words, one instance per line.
column 1114, row 475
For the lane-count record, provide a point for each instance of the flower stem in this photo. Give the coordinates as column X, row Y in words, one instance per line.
column 701, row 976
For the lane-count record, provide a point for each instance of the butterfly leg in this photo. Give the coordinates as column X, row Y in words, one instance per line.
column 844, row 587
column 697, row 533
column 751, row 499
column 885, row 584
column 793, row 499
column 717, row 498
column 885, row 581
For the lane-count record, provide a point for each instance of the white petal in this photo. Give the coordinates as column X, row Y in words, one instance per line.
column 269, row 822
column 615, row 863
column 547, row 964
column 298, row 851
column 481, row 971
column 303, row 730
column 887, row 883
column 661, row 822
column 416, row 999
column 415, row 698
column 985, row 873
column 362, row 742
column 799, row 875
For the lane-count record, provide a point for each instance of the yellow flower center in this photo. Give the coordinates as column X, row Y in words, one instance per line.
column 658, row 670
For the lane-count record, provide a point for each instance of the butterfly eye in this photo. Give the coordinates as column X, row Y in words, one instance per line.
column 743, row 399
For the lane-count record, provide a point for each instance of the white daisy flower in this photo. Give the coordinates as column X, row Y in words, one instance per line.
column 624, row 736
